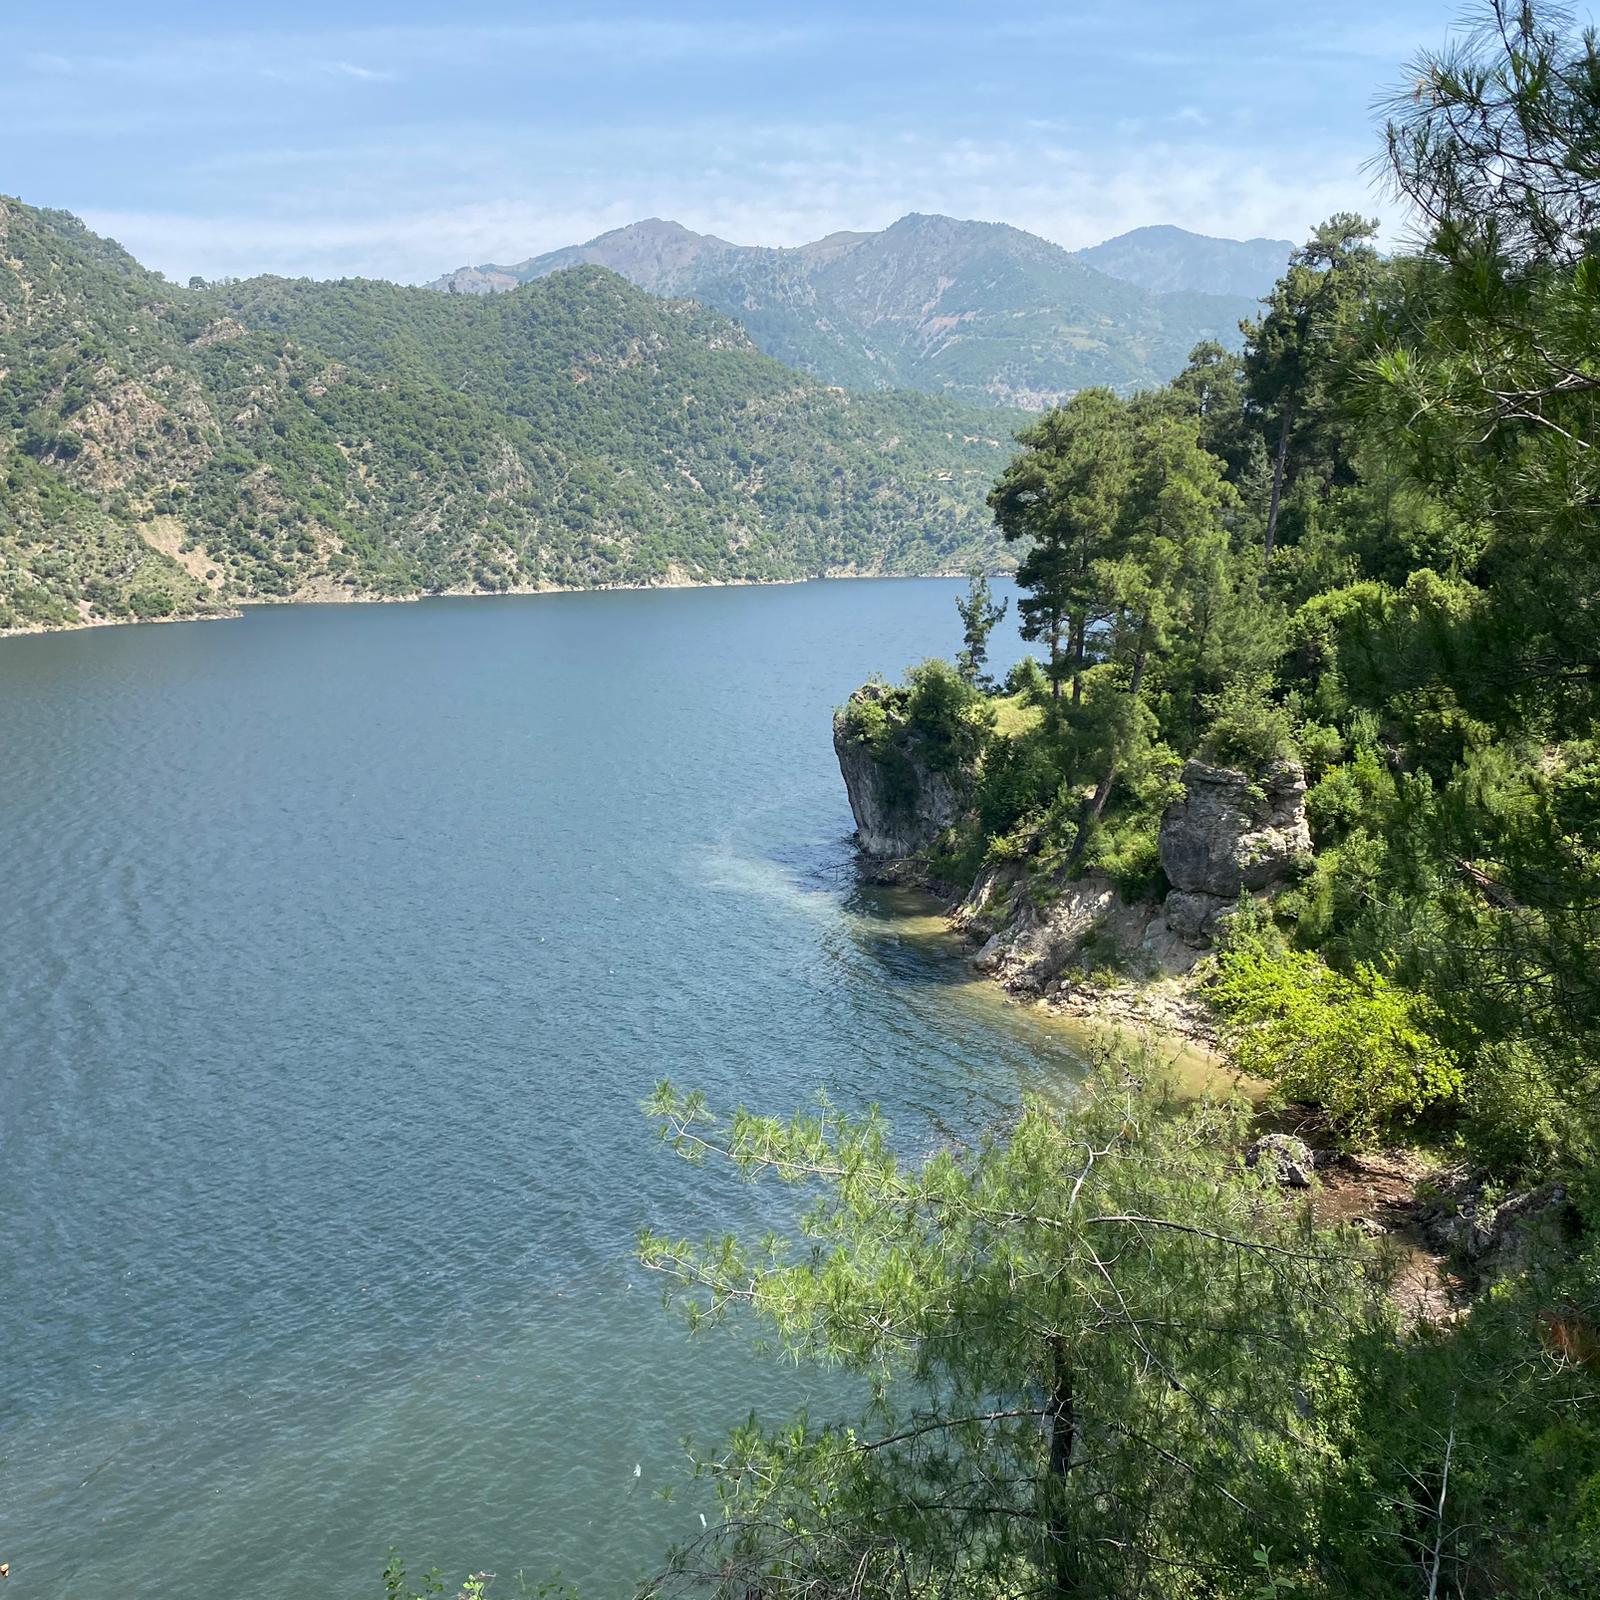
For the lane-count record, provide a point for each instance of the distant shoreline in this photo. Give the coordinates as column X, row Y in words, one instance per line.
column 237, row 609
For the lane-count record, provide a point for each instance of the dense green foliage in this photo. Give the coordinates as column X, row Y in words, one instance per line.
column 1102, row 1360
column 165, row 448
column 936, row 718
column 1353, row 1044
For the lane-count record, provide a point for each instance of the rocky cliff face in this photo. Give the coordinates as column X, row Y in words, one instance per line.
column 1228, row 833
column 1038, row 928
column 901, row 801
column 1043, row 931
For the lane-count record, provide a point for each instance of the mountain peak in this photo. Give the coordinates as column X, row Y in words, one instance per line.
column 657, row 229
column 937, row 222
column 980, row 311
column 1171, row 260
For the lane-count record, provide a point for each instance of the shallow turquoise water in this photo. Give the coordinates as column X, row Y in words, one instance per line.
column 339, row 945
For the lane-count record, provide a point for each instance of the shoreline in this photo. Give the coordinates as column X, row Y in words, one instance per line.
column 1163, row 1004
column 34, row 630
column 235, row 610
column 1388, row 1190
column 1162, row 1008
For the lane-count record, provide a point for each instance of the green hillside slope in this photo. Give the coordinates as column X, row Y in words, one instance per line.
column 164, row 449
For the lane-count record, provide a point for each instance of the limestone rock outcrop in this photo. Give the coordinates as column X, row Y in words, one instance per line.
column 900, row 799
column 1034, row 935
column 1228, row 833
column 1498, row 1241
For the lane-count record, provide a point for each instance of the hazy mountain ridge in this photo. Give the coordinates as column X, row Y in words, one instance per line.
column 981, row 311
column 1172, row 260
column 165, row 449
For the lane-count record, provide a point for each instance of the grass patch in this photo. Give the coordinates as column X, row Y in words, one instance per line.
column 1013, row 716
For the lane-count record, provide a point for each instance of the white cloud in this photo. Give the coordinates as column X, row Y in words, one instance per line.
column 778, row 185
column 310, row 71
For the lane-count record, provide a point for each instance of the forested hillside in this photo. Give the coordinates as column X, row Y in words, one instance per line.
column 978, row 311
column 1110, row 1352
column 164, row 449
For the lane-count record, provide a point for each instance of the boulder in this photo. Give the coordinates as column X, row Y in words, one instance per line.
column 1228, row 832
column 1281, row 1158
column 1038, row 938
column 1498, row 1241
column 1194, row 917
column 1511, row 1238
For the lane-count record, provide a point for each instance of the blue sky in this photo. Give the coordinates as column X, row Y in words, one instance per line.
column 404, row 140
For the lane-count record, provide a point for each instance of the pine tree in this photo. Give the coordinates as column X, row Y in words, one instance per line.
column 1063, row 495
column 979, row 617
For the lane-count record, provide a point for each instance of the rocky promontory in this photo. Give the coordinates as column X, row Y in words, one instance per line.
column 904, row 791
column 1044, row 928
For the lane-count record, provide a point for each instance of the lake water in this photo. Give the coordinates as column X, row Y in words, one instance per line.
column 339, row 946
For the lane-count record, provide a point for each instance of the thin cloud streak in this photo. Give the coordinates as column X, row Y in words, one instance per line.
column 294, row 55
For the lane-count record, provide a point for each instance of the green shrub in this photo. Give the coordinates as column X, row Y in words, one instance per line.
column 948, row 717
column 1361, row 792
column 866, row 720
column 1358, row 1046
column 1127, row 850
column 1027, row 678
column 1515, row 1108
column 1248, row 727
column 1320, row 747
column 1004, row 848
column 148, row 603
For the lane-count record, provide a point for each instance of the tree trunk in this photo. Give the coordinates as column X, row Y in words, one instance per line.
column 1278, row 465
column 1091, row 812
column 1063, row 1555
column 1080, row 632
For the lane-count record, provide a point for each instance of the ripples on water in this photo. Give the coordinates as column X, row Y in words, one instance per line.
column 339, row 948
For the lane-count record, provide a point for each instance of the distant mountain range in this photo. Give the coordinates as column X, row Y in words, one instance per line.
column 978, row 311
